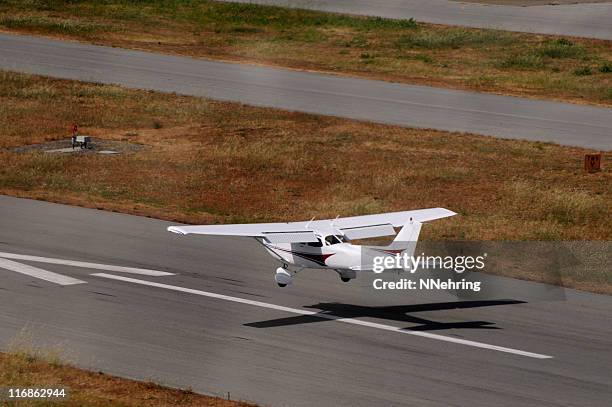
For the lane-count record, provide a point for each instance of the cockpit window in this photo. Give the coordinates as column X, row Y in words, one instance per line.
column 331, row 239
column 318, row 243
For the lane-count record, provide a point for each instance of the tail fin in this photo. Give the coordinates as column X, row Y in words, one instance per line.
column 406, row 239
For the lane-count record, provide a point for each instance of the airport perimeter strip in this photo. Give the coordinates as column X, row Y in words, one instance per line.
column 60, row 279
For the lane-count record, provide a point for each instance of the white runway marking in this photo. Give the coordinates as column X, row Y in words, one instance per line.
column 38, row 273
column 325, row 316
column 97, row 266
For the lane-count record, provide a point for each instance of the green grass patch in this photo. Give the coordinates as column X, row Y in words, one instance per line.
column 606, row 67
column 424, row 58
column 583, row 71
column 561, row 48
column 43, row 24
column 452, row 38
column 522, row 61
column 206, row 12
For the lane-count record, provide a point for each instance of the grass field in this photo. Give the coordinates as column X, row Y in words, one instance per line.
column 92, row 389
column 208, row 161
column 576, row 70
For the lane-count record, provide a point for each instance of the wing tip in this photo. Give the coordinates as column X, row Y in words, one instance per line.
column 430, row 214
column 176, row 229
column 448, row 212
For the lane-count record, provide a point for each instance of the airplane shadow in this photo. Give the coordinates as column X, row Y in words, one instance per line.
column 400, row 313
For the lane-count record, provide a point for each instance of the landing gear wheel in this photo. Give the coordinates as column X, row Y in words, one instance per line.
column 345, row 279
column 282, row 277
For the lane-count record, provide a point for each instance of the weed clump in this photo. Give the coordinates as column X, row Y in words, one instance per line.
column 561, row 48
column 583, row 71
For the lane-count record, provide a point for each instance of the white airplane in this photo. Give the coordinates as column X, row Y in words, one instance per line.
column 325, row 244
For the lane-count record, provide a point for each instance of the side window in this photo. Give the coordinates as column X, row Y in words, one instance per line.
column 318, row 243
column 331, row 239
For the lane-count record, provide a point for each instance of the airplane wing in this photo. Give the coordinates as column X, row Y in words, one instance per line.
column 354, row 227
column 294, row 232
column 383, row 224
column 395, row 219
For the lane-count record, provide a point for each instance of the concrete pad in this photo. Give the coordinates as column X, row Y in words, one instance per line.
column 64, row 150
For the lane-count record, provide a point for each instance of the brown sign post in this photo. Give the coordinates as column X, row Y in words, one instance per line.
column 592, row 162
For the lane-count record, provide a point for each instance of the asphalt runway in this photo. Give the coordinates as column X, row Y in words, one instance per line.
column 368, row 100
column 218, row 323
column 578, row 20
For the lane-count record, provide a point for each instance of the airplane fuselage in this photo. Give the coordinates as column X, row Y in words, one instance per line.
column 302, row 255
column 340, row 256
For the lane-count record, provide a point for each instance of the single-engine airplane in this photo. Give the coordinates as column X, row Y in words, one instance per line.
column 325, row 244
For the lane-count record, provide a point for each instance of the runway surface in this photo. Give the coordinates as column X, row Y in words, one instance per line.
column 579, row 20
column 368, row 100
column 120, row 294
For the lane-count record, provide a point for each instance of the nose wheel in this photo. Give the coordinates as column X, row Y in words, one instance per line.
column 346, row 275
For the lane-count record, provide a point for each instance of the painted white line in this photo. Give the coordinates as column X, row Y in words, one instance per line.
column 38, row 273
column 326, row 316
column 97, row 266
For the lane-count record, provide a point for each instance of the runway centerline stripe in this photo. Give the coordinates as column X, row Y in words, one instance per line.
column 326, row 316
column 97, row 266
column 38, row 273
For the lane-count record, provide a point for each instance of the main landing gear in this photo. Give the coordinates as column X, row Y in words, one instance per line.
column 283, row 276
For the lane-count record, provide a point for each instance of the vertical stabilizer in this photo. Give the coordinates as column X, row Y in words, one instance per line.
column 406, row 240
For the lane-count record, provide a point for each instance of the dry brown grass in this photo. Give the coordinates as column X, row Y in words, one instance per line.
column 219, row 162
column 24, row 369
column 224, row 162
column 576, row 70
